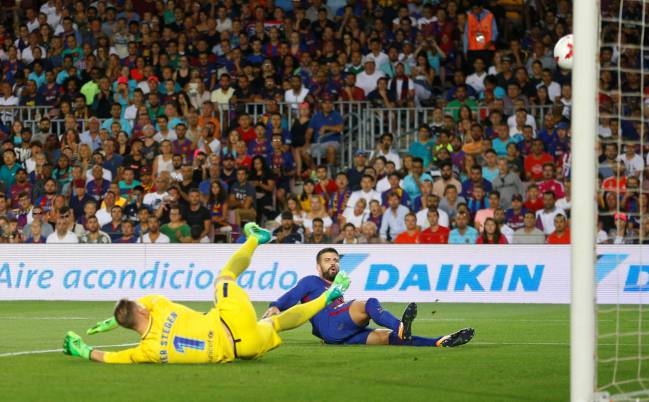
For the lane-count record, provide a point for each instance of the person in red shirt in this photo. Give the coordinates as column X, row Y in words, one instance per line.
column 534, row 162
column 549, row 183
column 435, row 234
column 245, row 129
column 561, row 234
column 491, row 233
column 617, row 182
column 411, row 234
column 533, row 198
column 350, row 92
column 326, row 184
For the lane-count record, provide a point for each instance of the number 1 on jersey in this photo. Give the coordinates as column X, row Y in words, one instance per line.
column 181, row 343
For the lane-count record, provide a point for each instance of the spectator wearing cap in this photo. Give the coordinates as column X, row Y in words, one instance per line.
column 506, row 183
column 623, row 233
column 288, row 232
column 561, row 232
column 325, row 132
column 367, row 80
column 514, row 215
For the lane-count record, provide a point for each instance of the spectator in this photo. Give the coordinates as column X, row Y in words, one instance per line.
column 505, row 230
column 440, row 185
column 423, row 147
column 474, row 179
column 93, row 235
column 366, row 192
column 411, row 234
column 480, row 33
column 33, row 233
column 45, row 229
column 318, row 235
column 196, row 214
column 488, row 212
column 153, row 235
column 369, row 234
column 393, row 222
column 506, row 183
column 62, row 234
column 535, row 161
column 549, row 183
column 176, row 230
column 450, row 202
column 529, row 233
column 491, row 234
column 242, row 198
column 412, row 183
column 348, row 235
column 317, row 212
column 288, row 232
column 384, row 149
column 367, row 79
column 623, row 233
column 561, row 233
column 324, row 132
column 514, row 216
column 462, row 234
column 434, row 234
column 545, row 217
column 114, row 228
column 128, row 233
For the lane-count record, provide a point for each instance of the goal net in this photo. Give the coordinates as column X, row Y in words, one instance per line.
column 622, row 268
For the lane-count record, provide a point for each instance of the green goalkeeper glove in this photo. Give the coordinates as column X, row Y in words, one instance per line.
column 73, row 345
column 103, row 326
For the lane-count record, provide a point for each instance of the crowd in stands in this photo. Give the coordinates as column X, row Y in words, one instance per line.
column 146, row 133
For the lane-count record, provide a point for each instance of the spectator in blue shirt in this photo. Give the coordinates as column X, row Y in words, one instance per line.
column 462, row 234
column 325, row 131
column 423, row 147
column 412, row 182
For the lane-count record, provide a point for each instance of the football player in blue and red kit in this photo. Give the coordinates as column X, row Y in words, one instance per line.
column 347, row 322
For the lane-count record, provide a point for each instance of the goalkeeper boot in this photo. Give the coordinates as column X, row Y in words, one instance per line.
column 73, row 345
column 252, row 229
column 338, row 287
column 457, row 338
column 409, row 315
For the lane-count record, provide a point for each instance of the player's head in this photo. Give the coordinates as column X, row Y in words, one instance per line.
column 328, row 261
column 129, row 313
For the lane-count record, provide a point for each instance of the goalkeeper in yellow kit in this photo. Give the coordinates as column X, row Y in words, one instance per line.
column 173, row 333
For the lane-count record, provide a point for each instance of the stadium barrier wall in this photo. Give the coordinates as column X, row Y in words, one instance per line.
column 398, row 273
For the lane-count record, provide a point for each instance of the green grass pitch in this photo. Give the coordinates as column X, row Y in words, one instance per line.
column 520, row 352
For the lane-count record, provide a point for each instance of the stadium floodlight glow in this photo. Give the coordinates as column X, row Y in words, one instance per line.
column 584, row 214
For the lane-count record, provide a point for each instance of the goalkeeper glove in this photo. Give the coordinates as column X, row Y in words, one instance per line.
column 73, row 345
column 103, row 326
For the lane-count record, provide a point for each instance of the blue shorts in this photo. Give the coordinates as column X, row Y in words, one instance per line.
column 337, row 327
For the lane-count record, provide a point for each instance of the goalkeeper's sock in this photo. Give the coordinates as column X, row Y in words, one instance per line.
column 394, row 339
column 298, row 314
column 381, row 316
column 240, row 260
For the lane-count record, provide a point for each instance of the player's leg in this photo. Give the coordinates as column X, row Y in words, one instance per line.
column 362, row 311
column 240, row 260
column 457, row 338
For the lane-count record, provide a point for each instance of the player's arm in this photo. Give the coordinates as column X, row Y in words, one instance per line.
column 290, row 298
column 74, row 346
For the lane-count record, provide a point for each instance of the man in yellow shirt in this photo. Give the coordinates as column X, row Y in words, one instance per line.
column 173, row 333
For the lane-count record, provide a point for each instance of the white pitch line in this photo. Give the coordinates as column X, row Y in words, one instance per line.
column 37, row 352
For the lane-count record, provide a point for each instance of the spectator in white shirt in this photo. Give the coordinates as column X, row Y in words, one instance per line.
column 545, row 217
column 367, row 80
column 633, row 163
column 154, row 235
column 366, row 192
column 62, row 233
column 476, row 80
column 384, row 149
column 393, row 222
column 432, row 202
column 296, row 94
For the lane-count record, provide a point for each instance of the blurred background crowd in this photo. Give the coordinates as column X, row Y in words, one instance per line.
column 426, row 121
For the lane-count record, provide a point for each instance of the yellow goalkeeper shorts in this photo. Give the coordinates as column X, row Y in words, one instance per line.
column 252, row 338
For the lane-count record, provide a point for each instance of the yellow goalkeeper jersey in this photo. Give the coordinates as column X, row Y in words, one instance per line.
column 177, row 334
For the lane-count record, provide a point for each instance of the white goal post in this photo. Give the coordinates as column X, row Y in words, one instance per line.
column 584, row 214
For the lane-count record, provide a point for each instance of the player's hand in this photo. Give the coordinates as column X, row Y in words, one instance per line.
column 73, row 345
column 271, row 312
column 103, row 326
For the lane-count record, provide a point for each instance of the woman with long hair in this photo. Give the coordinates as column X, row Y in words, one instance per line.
column 491, row 233
column 293, row 206
column 264, row 181
column 63, row 174
column 218, row 207
column 298, row 134
column 123, row 147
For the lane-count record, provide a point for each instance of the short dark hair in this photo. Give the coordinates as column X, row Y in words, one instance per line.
column 125, row 313
column 326, row 250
